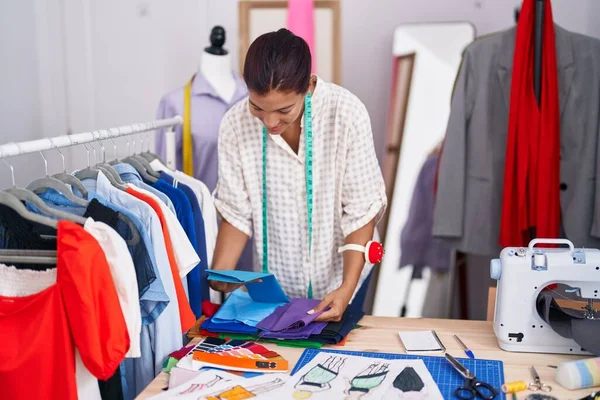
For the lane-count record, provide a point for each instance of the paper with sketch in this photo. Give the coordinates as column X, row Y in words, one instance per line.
column 339, row 376
column 203, row 380
column 259, row 387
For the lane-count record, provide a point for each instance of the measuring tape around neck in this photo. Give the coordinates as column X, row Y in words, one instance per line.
column 309, row 188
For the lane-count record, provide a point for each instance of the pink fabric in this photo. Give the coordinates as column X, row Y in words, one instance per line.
column 300, row 20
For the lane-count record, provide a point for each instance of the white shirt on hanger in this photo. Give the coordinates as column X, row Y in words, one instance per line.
column 123, row 273
column 209, row 212
column 185, row 254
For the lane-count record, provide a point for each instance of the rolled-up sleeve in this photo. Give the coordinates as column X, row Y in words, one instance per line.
column 231, row 195
column 363, row 188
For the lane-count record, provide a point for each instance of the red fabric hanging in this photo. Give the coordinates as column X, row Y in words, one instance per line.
column 531, row 197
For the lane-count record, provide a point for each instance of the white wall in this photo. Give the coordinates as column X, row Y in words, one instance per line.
column 370, row 77
column 97, row 64
column 20, row 115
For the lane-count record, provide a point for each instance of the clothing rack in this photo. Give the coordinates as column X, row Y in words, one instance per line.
column 34, row 146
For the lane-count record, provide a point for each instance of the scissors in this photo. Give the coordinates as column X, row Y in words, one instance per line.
column 472, row 387
column 537, row 383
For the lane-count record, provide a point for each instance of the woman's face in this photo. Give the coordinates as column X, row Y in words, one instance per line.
column 276, row 110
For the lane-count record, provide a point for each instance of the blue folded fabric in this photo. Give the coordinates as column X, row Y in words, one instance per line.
column 240, row 307
column 228, row 327
column 266, row 291
column 335, row 332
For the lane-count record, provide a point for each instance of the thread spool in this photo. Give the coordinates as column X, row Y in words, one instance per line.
column 514, row 387
column 579, row 374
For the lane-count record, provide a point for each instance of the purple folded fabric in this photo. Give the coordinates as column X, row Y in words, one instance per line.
column 291, row 321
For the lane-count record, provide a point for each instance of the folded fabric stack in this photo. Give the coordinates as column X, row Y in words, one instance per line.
column 292, row 321
column 264, row 312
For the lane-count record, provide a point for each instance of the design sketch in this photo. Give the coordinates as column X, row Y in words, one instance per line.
column 330, row 375
column 208, row 380
column 319, row 377
column 245, row 390
column 194, row 387
column 366, row 380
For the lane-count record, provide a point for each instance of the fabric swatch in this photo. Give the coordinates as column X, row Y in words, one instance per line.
column 409, row 381
column 240, row 307
column 335, row 332
column 228, row 327
column 292, row 321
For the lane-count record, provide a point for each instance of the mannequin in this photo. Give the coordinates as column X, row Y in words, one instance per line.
column 215, row 65
column 215, row 89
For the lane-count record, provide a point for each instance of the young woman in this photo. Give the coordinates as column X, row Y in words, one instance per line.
column 297, row 168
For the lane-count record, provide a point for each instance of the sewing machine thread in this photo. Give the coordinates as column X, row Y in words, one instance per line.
column 514, row 387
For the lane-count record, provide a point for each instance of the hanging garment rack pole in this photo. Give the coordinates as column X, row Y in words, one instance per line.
column 34, row 146
column 538, row 38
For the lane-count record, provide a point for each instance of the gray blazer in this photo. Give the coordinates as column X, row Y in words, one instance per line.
column 471, row 171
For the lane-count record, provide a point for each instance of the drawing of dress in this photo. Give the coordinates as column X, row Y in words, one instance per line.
column 239, row 392
column 366, row 380
column 318, row 378
column 201, row 386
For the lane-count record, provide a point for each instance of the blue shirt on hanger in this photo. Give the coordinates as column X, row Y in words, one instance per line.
column 200, row 231
column 130, row 175
column 185, row 216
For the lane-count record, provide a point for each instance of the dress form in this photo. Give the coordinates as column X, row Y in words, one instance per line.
column 215, row 66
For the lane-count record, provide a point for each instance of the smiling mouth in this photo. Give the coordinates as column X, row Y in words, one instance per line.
column 277, row 129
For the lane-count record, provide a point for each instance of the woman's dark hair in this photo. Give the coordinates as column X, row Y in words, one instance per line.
column 278, row 61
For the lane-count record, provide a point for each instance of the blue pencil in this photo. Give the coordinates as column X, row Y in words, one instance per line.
column 467, row 351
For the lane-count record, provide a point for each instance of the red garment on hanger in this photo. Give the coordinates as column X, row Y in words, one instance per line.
column 39, row 332
column 531, row 197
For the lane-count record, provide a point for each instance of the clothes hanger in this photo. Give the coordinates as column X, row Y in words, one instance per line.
column 155, row 162
column 68, row 178
column 10, row 256
column 92, row 173
column 138, row 166
column 150, row 156
column 145, row 162
column 89, row 172
column 108, row 169
column 30, row 197
column 48, row 182
column 15, row 204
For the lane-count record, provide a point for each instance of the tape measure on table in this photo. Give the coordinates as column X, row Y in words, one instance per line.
column 309, row 188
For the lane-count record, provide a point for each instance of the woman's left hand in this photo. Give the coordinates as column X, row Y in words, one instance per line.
column 337, row 301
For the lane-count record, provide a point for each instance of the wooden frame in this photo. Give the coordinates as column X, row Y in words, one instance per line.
column 400, row 95
column 246, row 6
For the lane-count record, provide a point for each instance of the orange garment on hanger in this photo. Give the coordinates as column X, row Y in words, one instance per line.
column 185, row 311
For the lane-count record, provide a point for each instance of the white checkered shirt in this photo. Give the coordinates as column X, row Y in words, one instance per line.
column 348, row 188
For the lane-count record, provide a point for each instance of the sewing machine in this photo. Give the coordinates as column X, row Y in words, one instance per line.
column 522, row 273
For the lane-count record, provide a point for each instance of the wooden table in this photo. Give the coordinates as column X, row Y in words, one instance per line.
column 380, row 334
